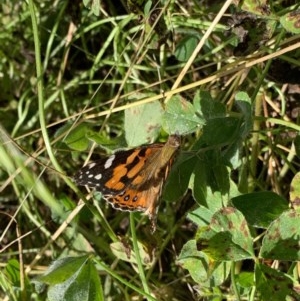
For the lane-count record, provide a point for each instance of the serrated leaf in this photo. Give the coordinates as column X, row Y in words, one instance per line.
column 282, row 239
column 142, row 123
column 260, row 208
column 227, row 237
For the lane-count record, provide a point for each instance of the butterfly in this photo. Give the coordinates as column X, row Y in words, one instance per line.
column 132, row 180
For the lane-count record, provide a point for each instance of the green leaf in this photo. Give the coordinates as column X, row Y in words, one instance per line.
column 243, row 102
column 62, row 269
column 203, row 99
column 142, row 123
column 76, row 137
column 227, row 237
column 201, row 269
column 105, row 143
column 11, row 282
column 271, row 284
column 295, row 191
column 221, row 131
column 180, row 116
column 260, row 8
column 201, row 216
column 186, row 47
column 93, row 5
column 260, row 208
column 73, row 279
column 281, row 241
column 124, row 252
column 12, row 271
column 245, row 279
column 212, row 190
column 291, row 21
column 211, row 185
column 208, row 107
column 243, row 97
column 178, row 181
column 147, row 7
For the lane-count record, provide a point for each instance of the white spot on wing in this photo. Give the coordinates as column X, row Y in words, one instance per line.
column 91, row 165
column 109, row 161
column 98, row 176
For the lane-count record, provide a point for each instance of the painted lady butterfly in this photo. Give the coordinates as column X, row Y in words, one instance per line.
column 132, row 180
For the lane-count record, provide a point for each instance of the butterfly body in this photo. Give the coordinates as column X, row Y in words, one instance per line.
column 132, row 180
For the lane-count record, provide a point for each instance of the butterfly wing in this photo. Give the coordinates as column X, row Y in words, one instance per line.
column 132, row 180
column 134, row 200
column 112, row 175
